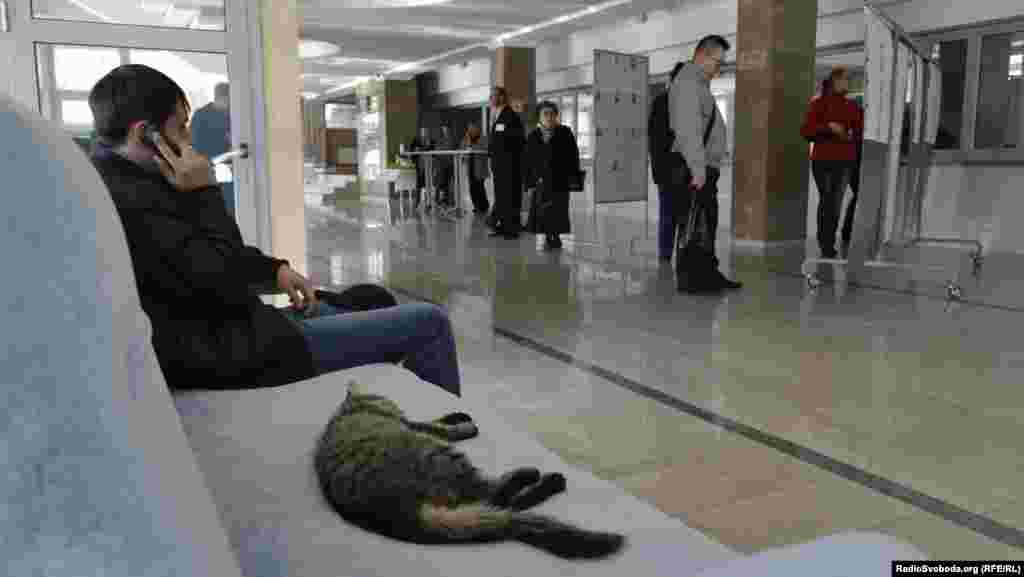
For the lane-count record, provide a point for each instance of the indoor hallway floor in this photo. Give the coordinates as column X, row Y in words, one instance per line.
column 768, row 416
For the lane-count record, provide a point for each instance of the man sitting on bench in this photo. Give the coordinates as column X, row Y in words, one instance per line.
column 194, row 273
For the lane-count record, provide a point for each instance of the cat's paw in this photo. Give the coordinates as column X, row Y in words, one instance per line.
column 512, row 483
column 553, row 482
column 548, row 486
column 519, row 478
column 463, row 431
column 357, row 389
column 455, row 419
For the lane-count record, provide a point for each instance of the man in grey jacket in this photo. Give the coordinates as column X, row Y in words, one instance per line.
column 692, row 113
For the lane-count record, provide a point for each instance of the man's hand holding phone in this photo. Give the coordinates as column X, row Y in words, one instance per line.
column 184, row 168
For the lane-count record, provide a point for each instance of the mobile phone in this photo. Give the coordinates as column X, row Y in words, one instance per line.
column 150, row 135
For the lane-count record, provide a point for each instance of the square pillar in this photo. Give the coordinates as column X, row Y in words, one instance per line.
column 515, row 69
column 399, row 118
column 282, row 89
column 774, row 84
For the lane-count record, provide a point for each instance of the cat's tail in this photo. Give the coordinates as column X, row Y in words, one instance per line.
column 478, row 523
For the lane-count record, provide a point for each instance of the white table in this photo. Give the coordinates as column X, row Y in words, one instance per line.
column 431, row 188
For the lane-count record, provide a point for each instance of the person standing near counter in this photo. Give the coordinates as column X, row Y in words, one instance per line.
column 477, row 170
column 506, row 142
column 420, row 144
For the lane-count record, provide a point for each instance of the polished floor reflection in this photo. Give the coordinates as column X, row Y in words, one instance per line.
column 921, row 399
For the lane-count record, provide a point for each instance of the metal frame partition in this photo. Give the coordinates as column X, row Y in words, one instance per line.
column 898, row 72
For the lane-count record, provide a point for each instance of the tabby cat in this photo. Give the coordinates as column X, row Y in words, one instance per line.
column 402, row 479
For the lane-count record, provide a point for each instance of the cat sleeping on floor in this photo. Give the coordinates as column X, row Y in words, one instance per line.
column 402, row 479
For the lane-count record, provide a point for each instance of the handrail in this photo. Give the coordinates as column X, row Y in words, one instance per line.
column 442, row 152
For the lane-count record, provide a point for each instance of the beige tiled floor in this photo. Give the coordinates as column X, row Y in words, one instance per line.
column 943, row 540
column 905, row 387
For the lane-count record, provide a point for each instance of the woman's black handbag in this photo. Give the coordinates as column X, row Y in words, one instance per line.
column 576, row 181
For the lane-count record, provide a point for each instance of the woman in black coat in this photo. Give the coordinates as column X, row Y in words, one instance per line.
column 552, row 171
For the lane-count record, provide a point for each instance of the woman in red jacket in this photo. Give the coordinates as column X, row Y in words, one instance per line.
column 836, row 125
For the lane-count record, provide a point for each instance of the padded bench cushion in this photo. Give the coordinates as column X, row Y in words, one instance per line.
column 254, row 448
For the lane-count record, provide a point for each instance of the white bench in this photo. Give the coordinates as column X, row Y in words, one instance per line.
column 99, row 478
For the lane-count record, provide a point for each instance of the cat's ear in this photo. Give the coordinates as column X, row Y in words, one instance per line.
column 357, row 389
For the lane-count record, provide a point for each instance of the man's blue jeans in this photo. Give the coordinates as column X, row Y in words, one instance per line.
column 419, row 334
column 666, row 221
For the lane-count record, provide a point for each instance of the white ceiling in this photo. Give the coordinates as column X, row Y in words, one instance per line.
column 376, row 35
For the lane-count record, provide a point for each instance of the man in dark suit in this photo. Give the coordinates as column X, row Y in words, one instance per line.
column 505, row 147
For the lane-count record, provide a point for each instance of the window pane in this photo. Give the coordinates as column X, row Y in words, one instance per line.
column 952, row 61
column 340, row 115
column 1000, row 92
column 194, row 14
column 585, row 107
column 78, row 68
column 197, row 73
column 76, row 114
column 568, row 111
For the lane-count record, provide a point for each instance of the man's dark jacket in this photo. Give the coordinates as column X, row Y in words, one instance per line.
column 195, row 278
column 505, row 146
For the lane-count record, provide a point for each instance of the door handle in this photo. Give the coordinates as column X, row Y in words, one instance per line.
column 241, row 152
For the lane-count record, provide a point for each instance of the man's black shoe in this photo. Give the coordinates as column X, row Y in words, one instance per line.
column 697, row 284
column 720, row 280
column 504, row 234
column 697, row 288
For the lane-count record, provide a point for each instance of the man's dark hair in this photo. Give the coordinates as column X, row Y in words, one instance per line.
column 675, row 71
column 712, row 41
column 500, row 91
column 128, row 94
column 547, row 105
column 222, row 90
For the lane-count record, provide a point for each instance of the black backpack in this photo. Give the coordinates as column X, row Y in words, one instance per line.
column 660, row 138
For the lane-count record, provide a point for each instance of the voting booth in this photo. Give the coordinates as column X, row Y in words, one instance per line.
column 902, row 99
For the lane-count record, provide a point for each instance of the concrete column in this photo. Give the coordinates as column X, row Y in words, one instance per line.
column 282, row 89
column 399, row 118
column 774, row 82
column 515, row 68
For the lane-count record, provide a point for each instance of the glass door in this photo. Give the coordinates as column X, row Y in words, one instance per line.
column 62, row 47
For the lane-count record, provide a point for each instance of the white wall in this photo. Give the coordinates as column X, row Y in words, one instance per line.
column 972, row 201
column 670, row 36
column 464, row 75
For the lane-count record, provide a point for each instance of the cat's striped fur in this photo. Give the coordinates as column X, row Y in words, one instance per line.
column 402, row 479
